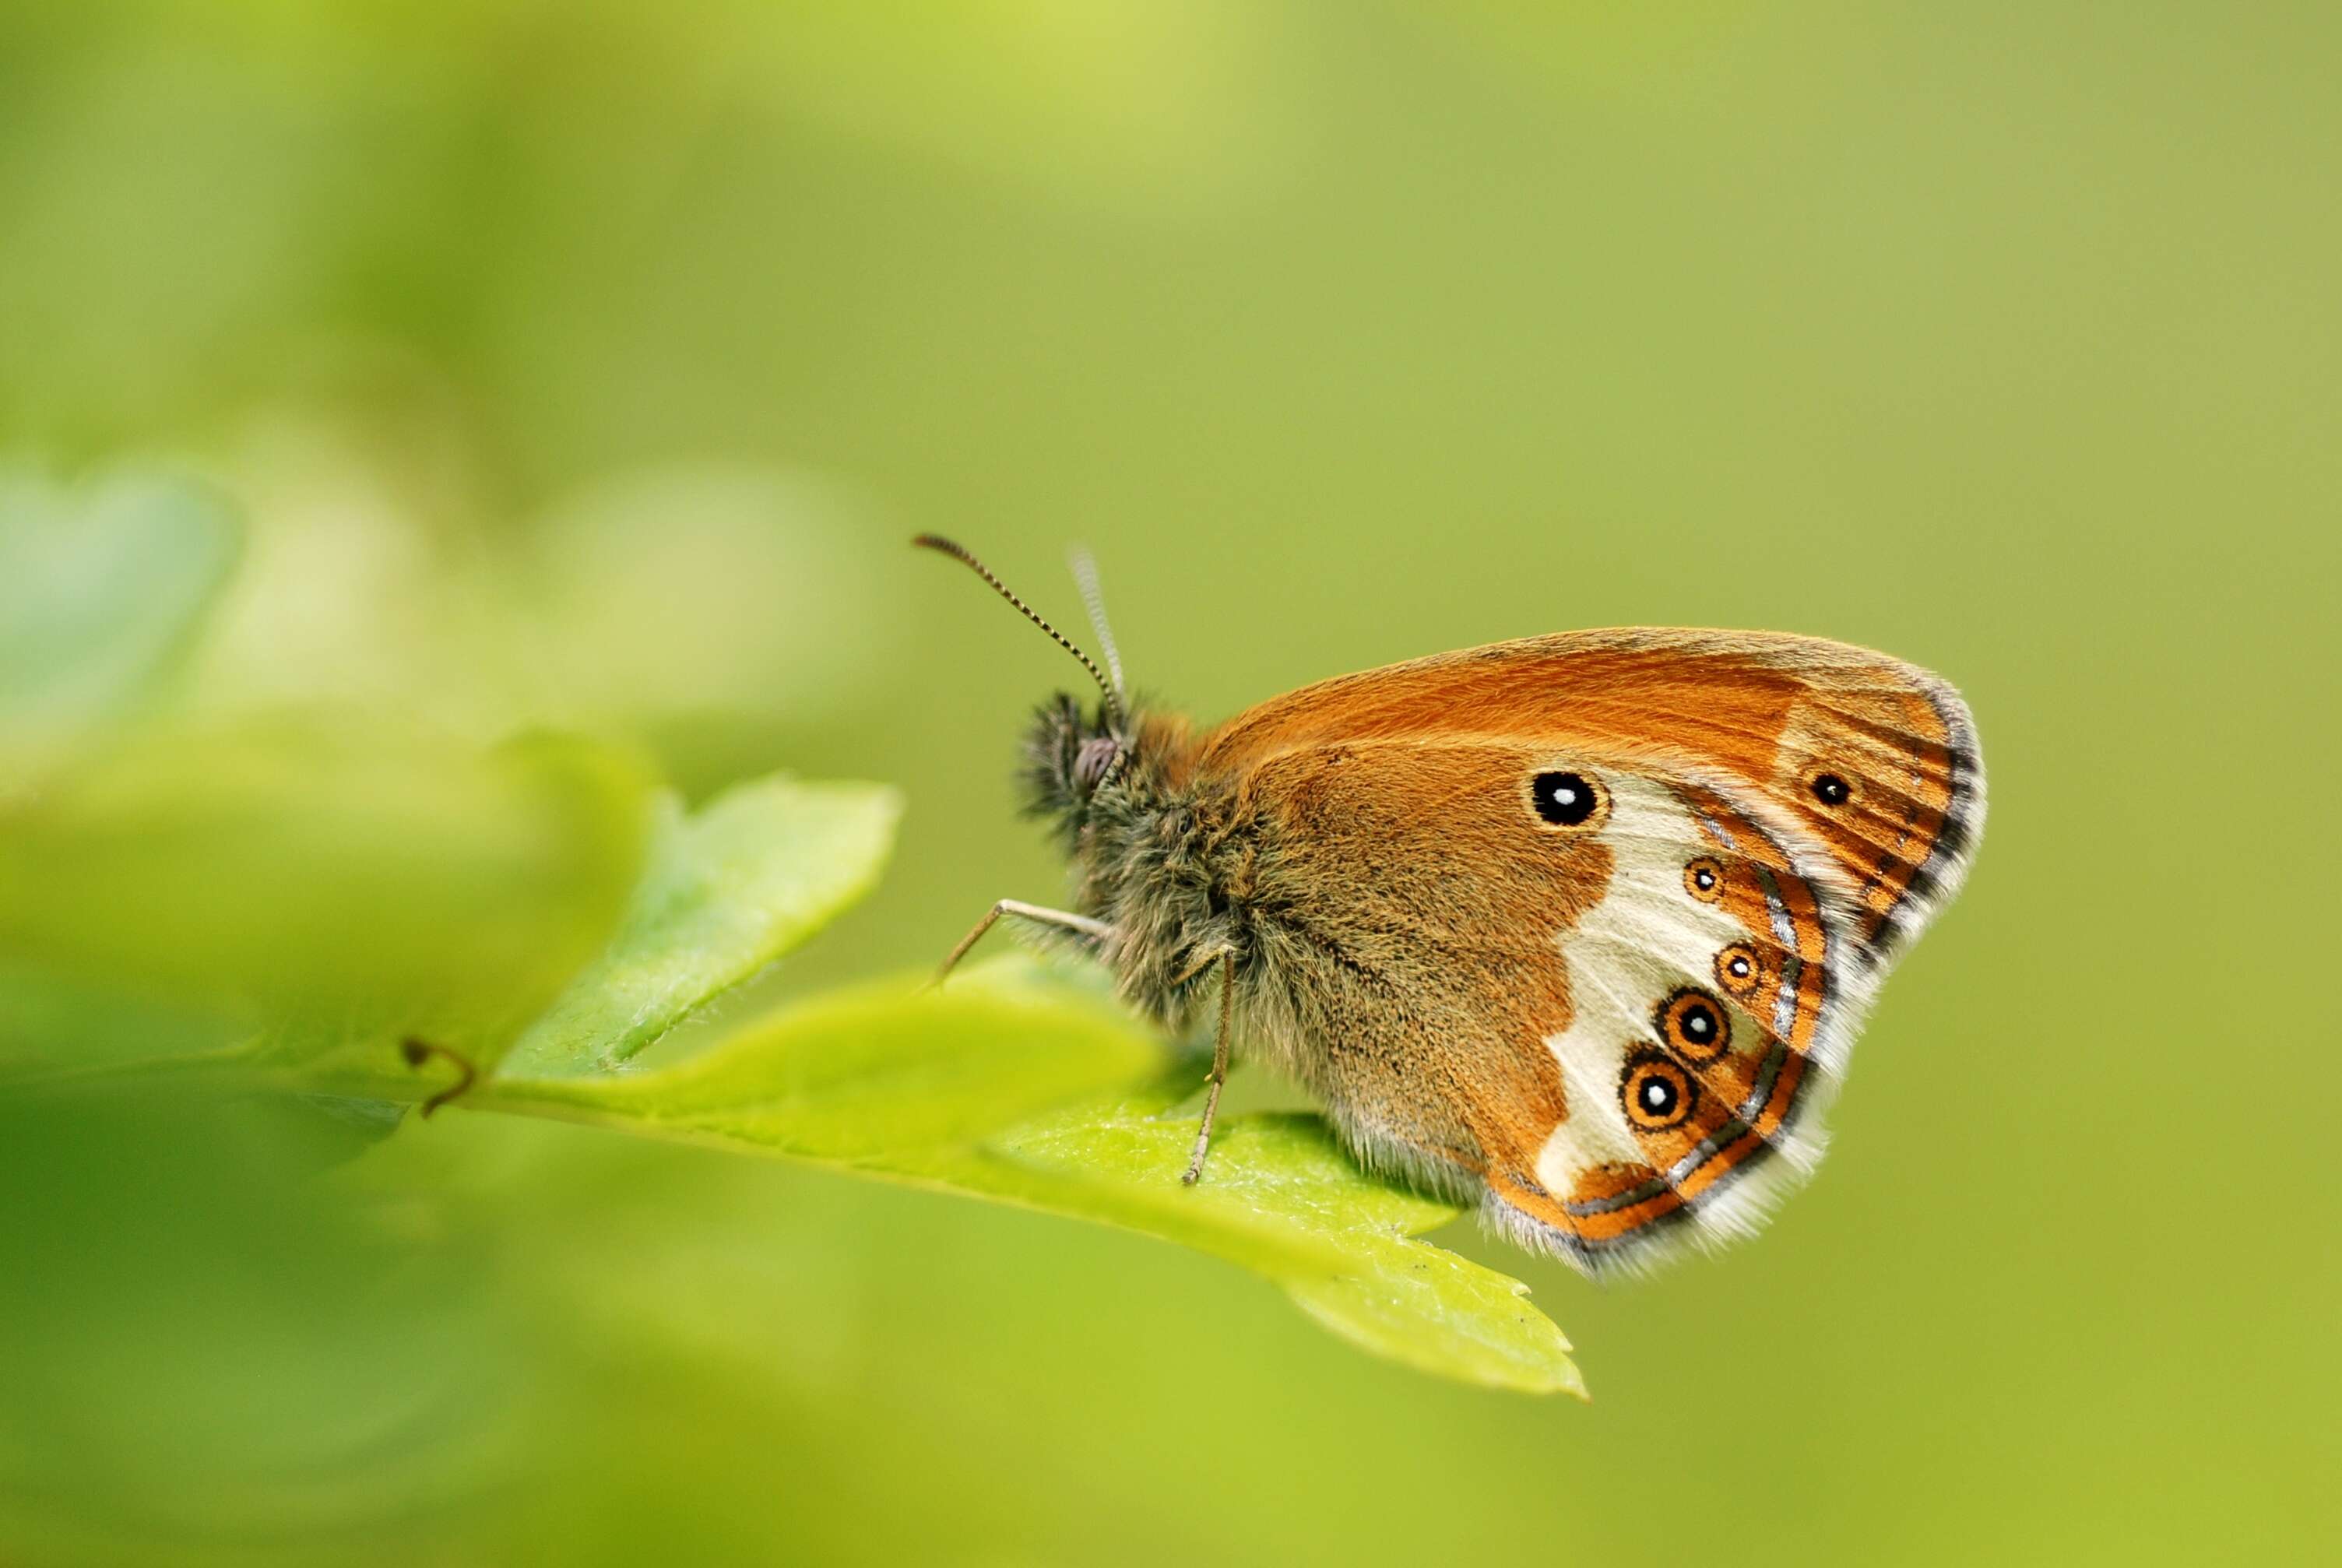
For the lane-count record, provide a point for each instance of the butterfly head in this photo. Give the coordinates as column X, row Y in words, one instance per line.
column 1070, row 754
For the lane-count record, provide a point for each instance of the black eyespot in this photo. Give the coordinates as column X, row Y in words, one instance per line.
column 1656, row 1094
column 1694, row 1025
column 1566, row 800
column 1831, row 790
column 1704, row 880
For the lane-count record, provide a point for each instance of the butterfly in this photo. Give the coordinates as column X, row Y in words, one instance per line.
column 1578, row 929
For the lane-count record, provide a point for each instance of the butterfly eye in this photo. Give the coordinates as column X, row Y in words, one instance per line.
column 1735, row 969
column 1704, row 880
column 1831, row 790
column 1097, row 755
column 1566, row 799
column 1694, row 1025
column 1656, row 1094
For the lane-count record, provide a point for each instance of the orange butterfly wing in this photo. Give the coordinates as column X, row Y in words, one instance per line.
column 1780, row 714
column 1603, row 1025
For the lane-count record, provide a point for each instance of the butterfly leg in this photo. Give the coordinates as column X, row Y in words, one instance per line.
column 1219, row 1069
column 1095, row 930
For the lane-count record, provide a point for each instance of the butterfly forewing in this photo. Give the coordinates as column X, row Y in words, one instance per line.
column 1875, row 758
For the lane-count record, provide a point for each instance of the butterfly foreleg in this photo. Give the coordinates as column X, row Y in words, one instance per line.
column 1219, row 1068
column 1064, row 920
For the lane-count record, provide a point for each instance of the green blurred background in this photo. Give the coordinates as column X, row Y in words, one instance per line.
column 591, row 364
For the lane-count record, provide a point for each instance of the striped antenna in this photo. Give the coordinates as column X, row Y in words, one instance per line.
column 1110, row 690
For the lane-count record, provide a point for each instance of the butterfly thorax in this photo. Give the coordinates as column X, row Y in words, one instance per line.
column 1167, row 858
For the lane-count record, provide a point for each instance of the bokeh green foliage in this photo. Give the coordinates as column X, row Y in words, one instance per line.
column 584, row 368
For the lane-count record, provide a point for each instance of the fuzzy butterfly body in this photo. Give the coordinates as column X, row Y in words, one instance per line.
column 1578, row 928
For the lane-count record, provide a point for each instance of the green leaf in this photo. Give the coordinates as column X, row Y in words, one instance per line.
column 885, row 1078
column 101, row 588
column 327, row 881
column 1280, row 1196
column 1011, row 1086
column 728, row 890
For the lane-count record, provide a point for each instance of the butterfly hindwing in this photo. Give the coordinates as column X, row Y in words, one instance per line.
column 1709, row 1014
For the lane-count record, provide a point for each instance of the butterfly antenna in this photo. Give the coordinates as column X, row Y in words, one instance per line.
column 1085, row 577
column 1109, row 690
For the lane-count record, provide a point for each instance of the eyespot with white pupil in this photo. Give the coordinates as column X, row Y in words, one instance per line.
column 1736, row 970
column 1831, row 790
column 1694, row 1025
column 1657, row 1094
column 1704, row 880
column 1565, row 799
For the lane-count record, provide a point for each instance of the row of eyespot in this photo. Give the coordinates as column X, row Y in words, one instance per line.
column 1571, row 800
column 1656, row 1089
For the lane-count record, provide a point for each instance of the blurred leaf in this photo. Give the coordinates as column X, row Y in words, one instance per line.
column 1009, row 1087
column 50, row 1020
column 728, row 890
column 100, row 588
column 207, row 1346
column 327, row 881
